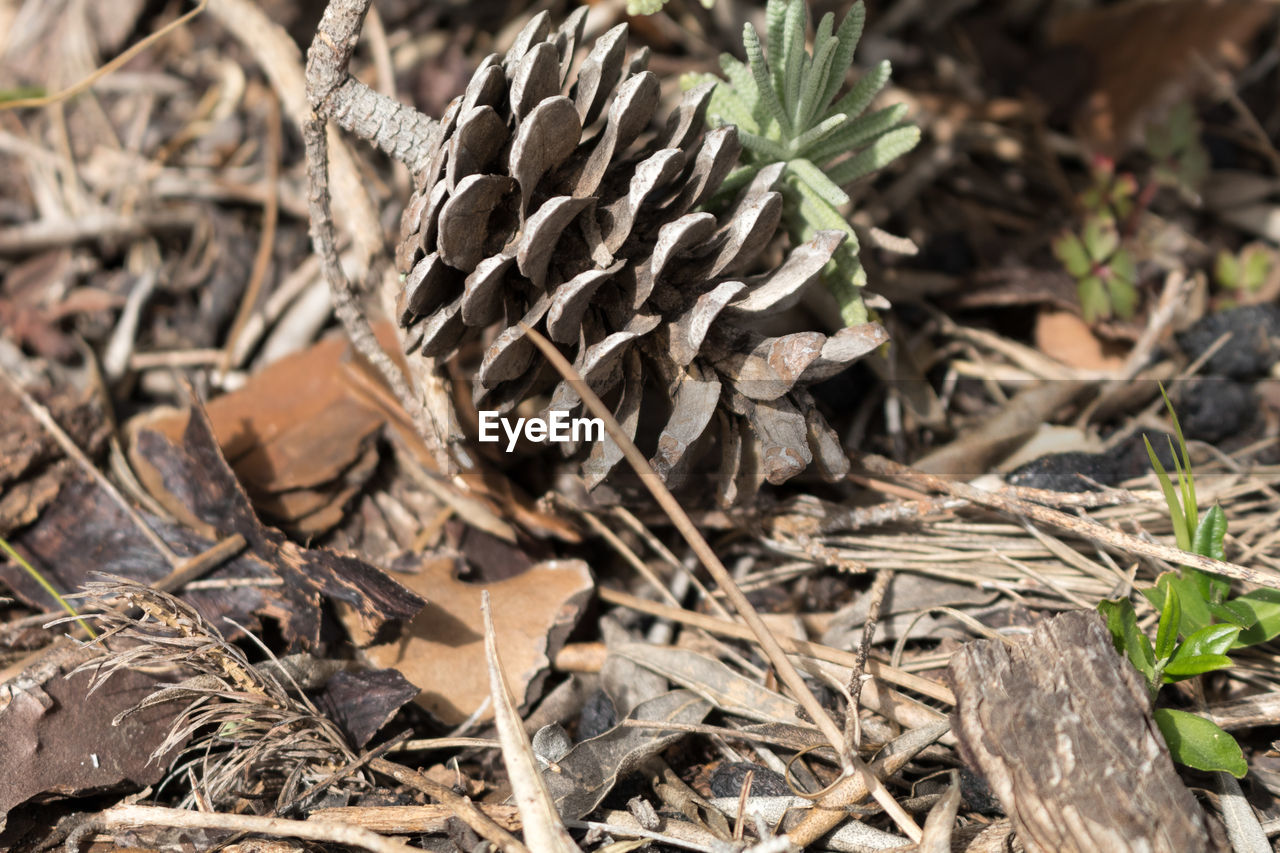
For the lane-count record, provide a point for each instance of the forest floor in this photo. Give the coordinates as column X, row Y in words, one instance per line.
column 284, row 584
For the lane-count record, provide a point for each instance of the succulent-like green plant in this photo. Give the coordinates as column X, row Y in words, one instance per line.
column 785, row 108
column 1104, row 270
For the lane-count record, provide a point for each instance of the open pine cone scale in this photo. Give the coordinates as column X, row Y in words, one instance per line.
column 541, row 204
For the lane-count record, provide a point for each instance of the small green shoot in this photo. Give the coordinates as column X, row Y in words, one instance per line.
column 784, row 103
column 1245, row 273
column 1105, row 272
column 1198, row 623
column 1101, row 251
column 44, row 584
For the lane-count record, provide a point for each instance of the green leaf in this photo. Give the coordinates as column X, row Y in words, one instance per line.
column 1070, row 252
column 1170, row 623
column 1210, row 640
column 1212, row 530
column 760, row 71
column 761, row 146
column 859, row 97
column 1122, row 294
column 1101, row 237
column 645, row 7
column 1199, row 743
column 820, row 183
column 1232, row 614
column 1123, row 267
column 793, row 54
column 877, row 155
column 1257, row 266
column 1196, row 612
column 1122, row 623
column 1226, row 270
column 858, row 131
column 1094, row 303
column 815, row 134
column 1189, row 484
column 1263, row 607
column 816, row 80
column 1180, row 530
column 848, row 35
column 1189, row 666
column 775, row 16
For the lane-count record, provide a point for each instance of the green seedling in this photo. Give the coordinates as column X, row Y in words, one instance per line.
column 1244, row 273
column 1198, row 621
column 1102, row 255
column 783, row 102
column 1105, row 272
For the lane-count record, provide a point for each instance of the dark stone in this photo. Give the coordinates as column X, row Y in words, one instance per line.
column 1253, row 348
column 1212, row 409
column 1125, row 460
column 727, row 781
column 1060, row 472
column 598, row 716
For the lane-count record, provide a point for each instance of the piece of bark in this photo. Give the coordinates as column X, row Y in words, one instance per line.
column 61, row 740
column 1061, row 727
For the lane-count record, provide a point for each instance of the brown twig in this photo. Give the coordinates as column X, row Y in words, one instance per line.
column 401, row 131
column 875, row 600
column 130, row 816
column 346, row 301
column 467, row 811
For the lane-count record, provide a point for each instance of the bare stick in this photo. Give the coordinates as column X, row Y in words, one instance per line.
column 126, row 816
column 875, row 599
column 399, row 130
column 768, row 642
column 346, row 302
column 467, row 811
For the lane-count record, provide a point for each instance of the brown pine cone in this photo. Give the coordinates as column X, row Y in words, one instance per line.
column 551, row 210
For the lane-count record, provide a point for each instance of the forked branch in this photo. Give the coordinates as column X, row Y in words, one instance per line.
column 398, row 129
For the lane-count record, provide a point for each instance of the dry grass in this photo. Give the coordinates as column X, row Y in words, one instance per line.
column 244, row 732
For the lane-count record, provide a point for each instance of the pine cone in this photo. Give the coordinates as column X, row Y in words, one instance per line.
column 542, row 208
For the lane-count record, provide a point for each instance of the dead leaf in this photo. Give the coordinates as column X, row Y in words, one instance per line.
column 442, row 649
column 1145, row 56
column 589, row 771
column 1063, row 336
column 297, row 436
